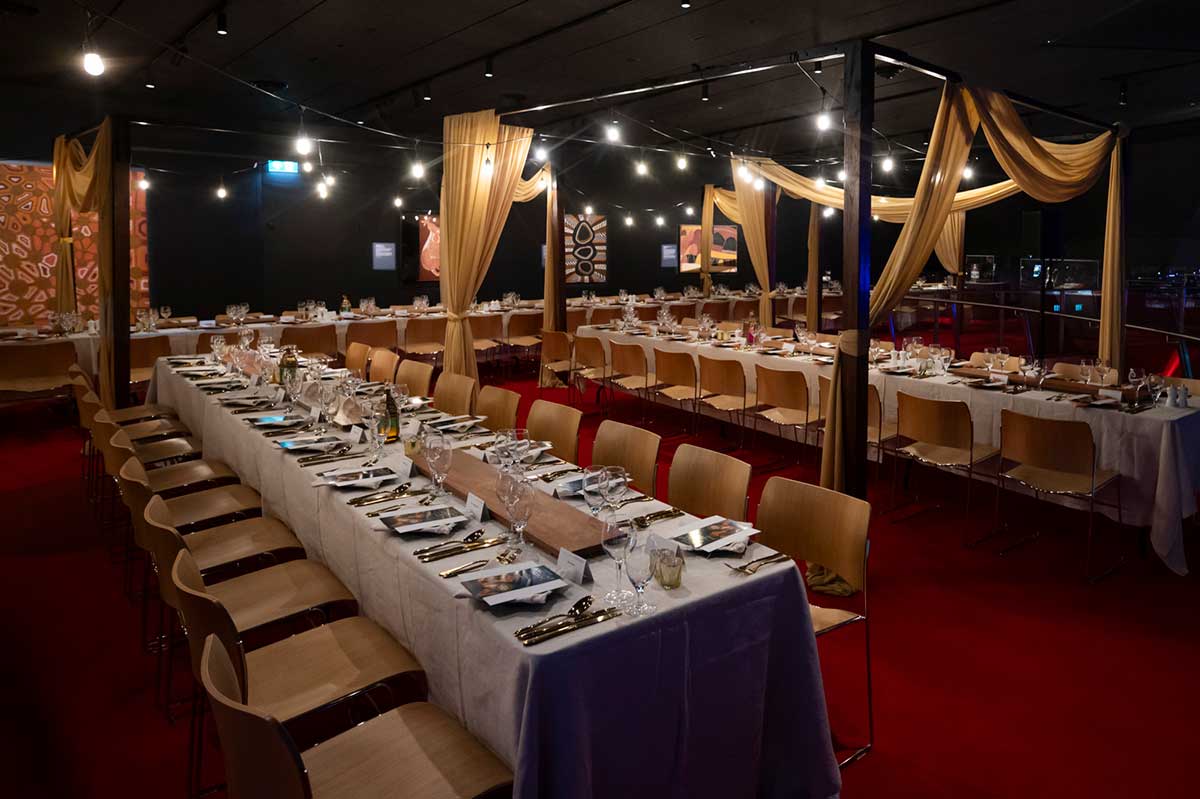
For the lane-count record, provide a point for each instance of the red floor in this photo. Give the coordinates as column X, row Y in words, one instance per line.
column 994, row 676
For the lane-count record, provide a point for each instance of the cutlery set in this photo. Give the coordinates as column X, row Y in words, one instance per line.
column 450, row 551
column 565, row 626
column 644, row 521
column 753, row 566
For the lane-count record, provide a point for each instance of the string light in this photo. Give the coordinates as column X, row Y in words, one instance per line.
column 828, row 212
column 888, row 164
column 398, row 202
column 221, row 192
column 587, row 210
column 690, row 211
column 758, row 184
column 143, row 184
column 488, row 68
column 304, row 145
column 417, row 170
column 641, row 168
column 329, row 180
column 820, row 181
column 681, row 162
column 842, row 175
column 629, row 221
column 968, row 173
column 487, row 161
column 744, row 172
column 322, row 191
column 660, row 221
column 823, row 120
column 612, row 133
column 541, row 154
column 222, row 23
column 93, row 64
column 307, row 166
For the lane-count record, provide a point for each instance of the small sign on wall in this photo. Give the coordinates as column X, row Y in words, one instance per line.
column 670, row 256
column 383, row 256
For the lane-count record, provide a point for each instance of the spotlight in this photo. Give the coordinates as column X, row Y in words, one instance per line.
column 418, row 170
column 641, row 168
column 744, row 172
column 684, row 4
column 587, row 210
column 704, row 92
column 304, row 145
column 222, row 23
column 1123, row 95
column 488, row 71
column 398, row 202
column 842, row 175
column 820, row 181
column 875, row 217
column 660, row 221
column 143, row 184
column 758, row 184
column 690, row 211
column 629, row 221
column 888, row 164
column 541, row 154
column 221, row 193
column 823, row 121
column 819, row 67
column 681, row 162
column 828, row 212
column 307, row 166
column 322, row 191
column 329, row 180
column 612, row 133
column 427, row 92
column 968, row 173
column 150, row 81
column 93, row 64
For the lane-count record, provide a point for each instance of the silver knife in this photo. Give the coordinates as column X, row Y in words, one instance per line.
column 588, row 621
column 449, row 553
column 463, row 569
column 392, row 498
column 333, row 459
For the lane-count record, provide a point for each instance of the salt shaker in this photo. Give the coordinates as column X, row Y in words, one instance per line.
column 1172, row 397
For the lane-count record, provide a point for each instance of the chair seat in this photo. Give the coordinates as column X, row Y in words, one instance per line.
column 524, row 341
column 484, row 344
column 939, row 455
column 424, row 348
column 414, row 750
column 594, row 373
column 875, row 434
column 1053, row 481
column 213, row 503
column 229, row 543
column 558, row 366
column 827, row 618
column 278, row 592
column 786, row 416
column 124, row 416
column 192, row 473
column 141, row 374
column 155, row 428
column 730, row 402
column 338, row 659
column 637, row 382
column 678, row 393
column 168, row 449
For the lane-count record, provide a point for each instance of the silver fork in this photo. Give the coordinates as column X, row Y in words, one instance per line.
column 753, row 566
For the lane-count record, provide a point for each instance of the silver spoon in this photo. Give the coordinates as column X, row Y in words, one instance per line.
column 466, row 539
column 578, row 609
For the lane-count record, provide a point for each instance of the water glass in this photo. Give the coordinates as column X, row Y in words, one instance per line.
column 438, row 454
column 165, row 312
column 594, row 479
column 1157, row 384
column 520, row 508
column 639, row 565
column 616, row 541
column 1085, row 371
column 615, row 481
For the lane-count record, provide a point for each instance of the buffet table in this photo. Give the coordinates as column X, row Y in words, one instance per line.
column 718, row 694
column 1156, row 451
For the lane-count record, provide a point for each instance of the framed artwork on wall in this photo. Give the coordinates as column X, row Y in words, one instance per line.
column 724, row 248
column 431, row 249
column 585, row 248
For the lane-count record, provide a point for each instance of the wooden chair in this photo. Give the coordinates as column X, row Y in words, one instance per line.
column 1055, row 457
column 311, row 339
column 602, row 316
column 675, row 374
column 373, row 334
column 635, row 449
column 558, row 424
column 358, row 354
column 455, row 394
column 742, row 309
column 708, row 483
column 155, row 430
column 416, row 375
column 200, row 508
column 521, row 335
column 575, row 318
column 830, row 529
column 488, row 332
column 499, row 405
column 1011, row 365
column 557, row 358
column 941, row 435
column 879, row 429
column 153, row 454
column 143, row 352
column 591, row 363
column 1193, row 385
column 383, row 367
column 723, row 388
column 717, row 310
column 783, row 399
column 646, row 313
column 629, row 368
column 39, row 367
column 413, row 750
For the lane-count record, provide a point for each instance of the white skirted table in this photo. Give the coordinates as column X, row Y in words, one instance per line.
column 718, row 694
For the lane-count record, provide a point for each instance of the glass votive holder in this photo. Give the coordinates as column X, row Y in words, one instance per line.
column 669, row 570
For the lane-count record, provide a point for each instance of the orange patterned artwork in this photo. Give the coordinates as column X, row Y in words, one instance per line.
column 27, row 253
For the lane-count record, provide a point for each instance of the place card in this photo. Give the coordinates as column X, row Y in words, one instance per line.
column 573, row 567
column 358, row 434
column 476, row 507
column 403, row 466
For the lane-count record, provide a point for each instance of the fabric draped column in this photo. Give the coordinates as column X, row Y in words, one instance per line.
column 706, row 234
column 812, row 305
column 1112, row 281
column 950, row 245
column 551, row 318
column 751, row 213
column 474, row 208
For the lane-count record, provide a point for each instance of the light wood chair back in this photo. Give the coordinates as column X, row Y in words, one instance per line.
column 729, row 327
column 114, row 443
column 1012, row 364
column 923, row 353
column 743, row 308
column 823, row 385
column 721, row 376
column 874, row 408
column 589, row 352
column 204, row 615
column 707, row 483
column 499, row 405
column 523, row 324
column 646, row 313
column 383, row 366
column 558, row 424
column 781, row 388
column 674, row 368
column 717, row 310
column 204, row 340
column 1061, row 445
column 575, row 318
column 455, row 394
column 487, row 325
column 40, row 359
column 374, row 334
column 945, row 423
column 415, row 375
column 628, row 359
column 634, row 449
column 424, row 330
column 357, row 355
column 86, row 401
column 816, row 524
column 315, row 338
column 1073, row 371
column 145, row 350
column 556, row 346
column 164, row 543
column 261, row 759
column 135, row 493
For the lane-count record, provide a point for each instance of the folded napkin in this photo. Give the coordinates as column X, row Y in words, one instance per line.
column 348, row 412
column 826, row 581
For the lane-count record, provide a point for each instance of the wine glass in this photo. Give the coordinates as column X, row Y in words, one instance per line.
column 438, row 453
column 639, row 565
column 326, row 394
column 1101, row 368
column 293, row 384
column 616, row 541
column 989, row 357
column 615, row 481
column 1085, row 371
column 520, row 508
column 594, row 478
column 1002, row 358
column 1157, row 384
column 165, row 312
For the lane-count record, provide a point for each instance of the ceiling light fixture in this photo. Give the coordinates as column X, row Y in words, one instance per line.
column 704, row 92
column 819, row 67
column 307, row 166
column 540, row 154
column 143, row 184
column 820, row 181
column 641, row 168
column 427, row 92
column 488, row 68
column 828, row 212
column 322, row 191
column 221, row 192
column 612, row 133
column 93, row 64
column 968, row 173
column 304, row 145
column 888, row 164
column 150, row 81
column 841, row 175
column 690, row 211
column 629, row 221
column 222, row 23
column 329, row 179
column 684, row 4
column 744, row 172
column 681, row 162
column 758, row 184
column 398, row 201
column 660, row 221
column 417, row 170
column 823, row 120
column 588, row 210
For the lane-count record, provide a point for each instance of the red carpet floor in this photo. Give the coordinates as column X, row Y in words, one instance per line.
column 994, row 676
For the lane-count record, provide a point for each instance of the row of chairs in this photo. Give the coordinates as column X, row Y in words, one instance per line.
column 274, row 639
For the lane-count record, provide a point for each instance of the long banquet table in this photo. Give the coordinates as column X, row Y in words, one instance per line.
column 718, row 694
column 1156, row 451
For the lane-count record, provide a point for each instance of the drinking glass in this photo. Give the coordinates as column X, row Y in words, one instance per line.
column 1085, row 371
column 594, row 479
column 639, row 565
column 326, row 394
column 1001, row 358
column 165, row 312
column 217, row 347
column 616, row 541
column 520, row 508
column 1101, row 368
column 438, row 453
column 989, row 358
column 615, row 481
column 293, row 384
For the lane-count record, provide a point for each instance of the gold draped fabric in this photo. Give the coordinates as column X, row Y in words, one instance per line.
column 532, row 188
column 951, row 244
column 726, row 202
column 474, row 208
column 551, row 318
column 751, row 214
column 83, row 182
column 1112, row 280
column 812, row 305
column 706, row 234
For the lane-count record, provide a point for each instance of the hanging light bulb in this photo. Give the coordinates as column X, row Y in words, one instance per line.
column 541, row 183
column 823, row 121
column 628, row 221
column 612, row 133
column 143, row 184
column 820, row 181
column 588, row 210
column 841, row 175
column 149, row 82
column 222, row 23
column 744, row 172
column 684, row 4
column 307, row 166
column 329, row 179
column 888, row 164
column 93, row 64
column 427, row 92
column 489, row 70
column 304, row 145
column 487, row 161
column 968, row 173
column 828, row 212
column 681, row 162
column 398, row 201
column 540, row 154
column 660, row 221
column 704, row 92
column 641, row 168
column 875, row 217
column 221, row 192
column 417, row 170
column 690, row 211
column 758, row 184
column 322, row 190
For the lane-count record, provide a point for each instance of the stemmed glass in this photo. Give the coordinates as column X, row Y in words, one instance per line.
column 615, row 480
column 1002, row 358
column 327, row 395
column 520, row 508
column 293, row 384
column 165, row 312
column 639, row 564
column 375, row 420
column 438, row 453
column 989, row 358
column 594, row 479
column 616, row 542
column 1085, row 371
column 1101, row 368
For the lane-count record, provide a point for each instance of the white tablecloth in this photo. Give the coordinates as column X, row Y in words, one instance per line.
column 717, row 695
column 1157, row 452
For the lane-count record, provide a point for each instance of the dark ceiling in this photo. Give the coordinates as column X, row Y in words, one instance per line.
column 368, row 60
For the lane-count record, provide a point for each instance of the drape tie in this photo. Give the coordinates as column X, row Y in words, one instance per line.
column 456, row 317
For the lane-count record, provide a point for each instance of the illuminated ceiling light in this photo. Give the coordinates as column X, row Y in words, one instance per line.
column 588, row 210
column 660, row 221
column 221, row 192
column 968, row 173
column 541, row 154
column 93, row 64
column 307, row 166
column 143, row 184
column 488, row 68
column 744, row 172
column 149, row 83
column 758, row 184
column 329, row 180
column 684, row 4
column 704, row 92
column 427, row 92
column 823, row 121
column 888, row 164
column 322, row 191
column 690, row 211
column 875, row 217
column 681, row 162
column 541, row 182
column 819, row 67
column 629, row 221
column 304, row 145
column 612, row 133
column 222, row 23
column 398, row 202
column 828, row 212
column 641, row 168
column 820, row 181
column 417, row 170
column 841, row 175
